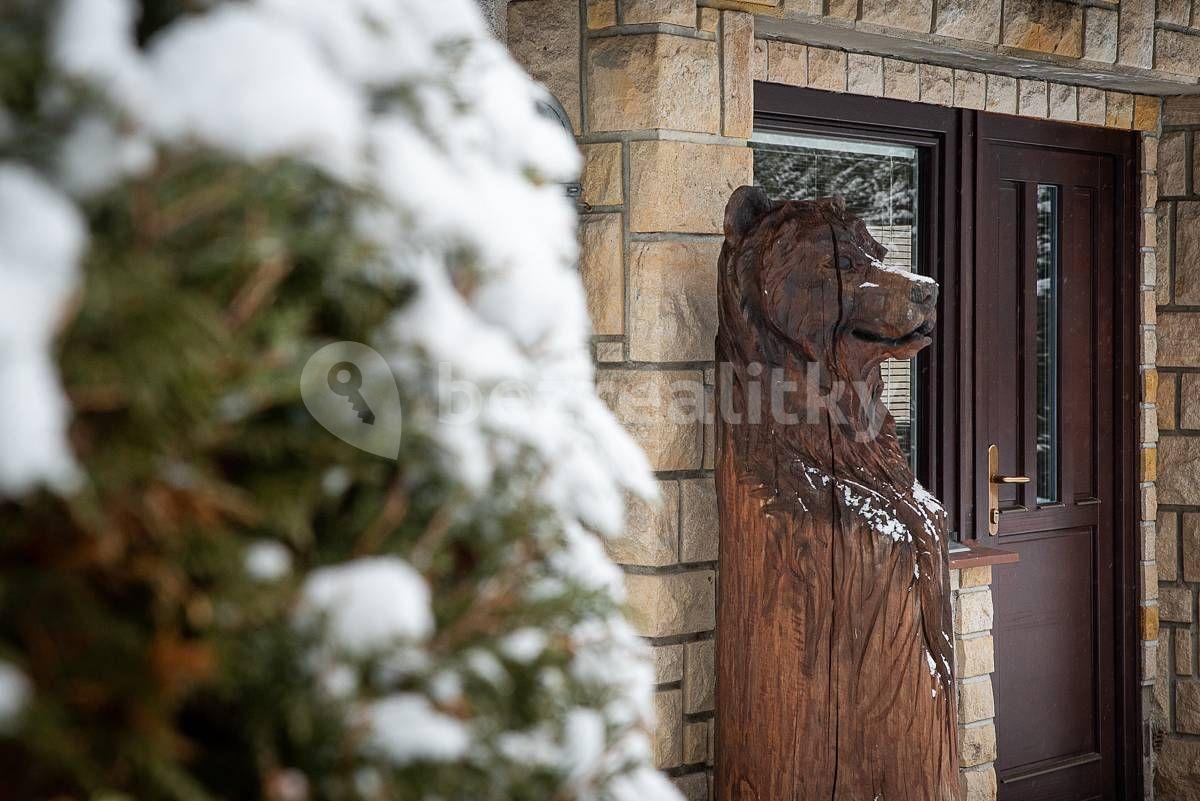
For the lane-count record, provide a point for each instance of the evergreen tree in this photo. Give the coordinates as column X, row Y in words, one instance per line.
column 203, row 593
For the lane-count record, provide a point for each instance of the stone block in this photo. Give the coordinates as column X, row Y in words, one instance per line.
column 827, row 69
column 978, row 783
column 1164, row 248
column 650, row 537
column 699, row 677
column 1166, row 546
column 1149, row 503
column 653, row 81
column 1179, row 340
column 698, row 524
column 1100, row 34
column 973, row 612
column 937, row 84
column 601, row 14
column 787, row 63
column 667, row 737
column 1149, row 621
column 602, row 272
column 909, row 15
column 1146, row 113
column 543, row 37
column 970, row 89
column 973, row 20
column 1177, row 769
column 1190, row 540
column 692, row 786
column 677, row 603
column 1149, row 201
column 661, row 410
column 609, row 351
column 1189, row 401
column 672, row 300
column 737, row 48
column 674, row 12
column 1149, row 153
column 1183, row 652
column 758, row 60
column 1064, row 102
column 695, row 742
column 602, row 174
column 1187, row 249
column 1165, row 407
column 974, row 656
column 1032, row 98
column 1187, row 707
column 1177, row 52
column 1001, row 94
column 900, row 80
column 975, row 577
column 842, row 9
column 864, row 74
column 1178, row 12
column 1181, row 110
column 1149, row 582
column 1176, row 604
column 1119, row 113
column 668, row 193
column 1092, row 105
column 1149, row 236
column 1135, row 33
column 1149, row 469
column 976, row 744
column 976, row 701
column 1043, row 25
column 668, row 663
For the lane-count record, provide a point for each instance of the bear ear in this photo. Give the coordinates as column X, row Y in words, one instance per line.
column 745, row 207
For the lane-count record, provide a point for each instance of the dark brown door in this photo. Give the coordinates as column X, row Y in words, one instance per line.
column 1046, row 246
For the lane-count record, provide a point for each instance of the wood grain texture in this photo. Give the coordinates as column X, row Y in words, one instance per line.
column 834, row 657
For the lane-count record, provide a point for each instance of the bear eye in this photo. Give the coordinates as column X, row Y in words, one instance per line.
column 844, row 263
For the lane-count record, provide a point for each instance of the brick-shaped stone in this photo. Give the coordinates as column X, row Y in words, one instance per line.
column 669, row 193
column 787, row 63
column 674, row 12
column 1187, row 707
column 692, row 786
column 1092, row 105
column 737, row 49
column 909, row 15
column 1189, row 401
column 1149, row 621
column 1177, row 12
column 1164, row 248
column 601, row 14
column 1172, row 163
column 973, row 612
column 1179, row 341
column 543, row 37
column 1177, row 52
column 974, row 656
column 937, row 84
column 970, row 89
column 1064, row 102
column 827, row 69
column 1165, row 408
column 1177, row 768
column 976, row 701
column 1001, row 94
column 650, row 530
column 672, row 300
column 973, row 20
column 698, row 524
column 1100, row 34
column 976, row 744
column 978, row 783
column 1181, row 110
column 668, row 663
column 1187, row 248
column 758, row 60
column 1190, row 542
column 864, row 74
column 1147, row 112
column 695, row 742
column 1043, row 25
column 1032, row 98
column 676, row 603
column 1176, row 604
column 1119, row 110
column 667, row 737
column 647, row 81
column 661, row 409
column 975, row 577
column 900, row 80
column 602, row 272
column 602, row 174
column 1135, row 33
column 1166, row 546
column 1183, row 652
column 699, row 677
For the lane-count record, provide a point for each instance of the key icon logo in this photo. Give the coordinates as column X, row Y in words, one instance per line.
column 346, row 380
column 350, row 373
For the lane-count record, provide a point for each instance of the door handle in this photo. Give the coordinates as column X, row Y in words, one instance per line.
column 995, row 481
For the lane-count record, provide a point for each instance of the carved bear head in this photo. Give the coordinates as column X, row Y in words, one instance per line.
column 809, row 277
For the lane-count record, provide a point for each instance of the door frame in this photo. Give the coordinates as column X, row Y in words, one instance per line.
column 949, row 137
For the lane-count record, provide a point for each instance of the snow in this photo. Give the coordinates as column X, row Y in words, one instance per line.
column 405, row 728
column 14, row 695
column 911, row 276
column 369, row 604
column 267, row 561
column 41, row 240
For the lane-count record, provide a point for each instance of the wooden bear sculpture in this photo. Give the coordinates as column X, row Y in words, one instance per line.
column 835, row 677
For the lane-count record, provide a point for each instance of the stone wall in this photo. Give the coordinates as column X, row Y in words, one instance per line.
column 1177, row 690
column 660, row 95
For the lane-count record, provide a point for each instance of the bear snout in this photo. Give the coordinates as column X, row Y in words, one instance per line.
column 923, row 293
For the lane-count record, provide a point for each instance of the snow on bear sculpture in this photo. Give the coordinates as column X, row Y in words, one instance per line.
column 835, row 676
